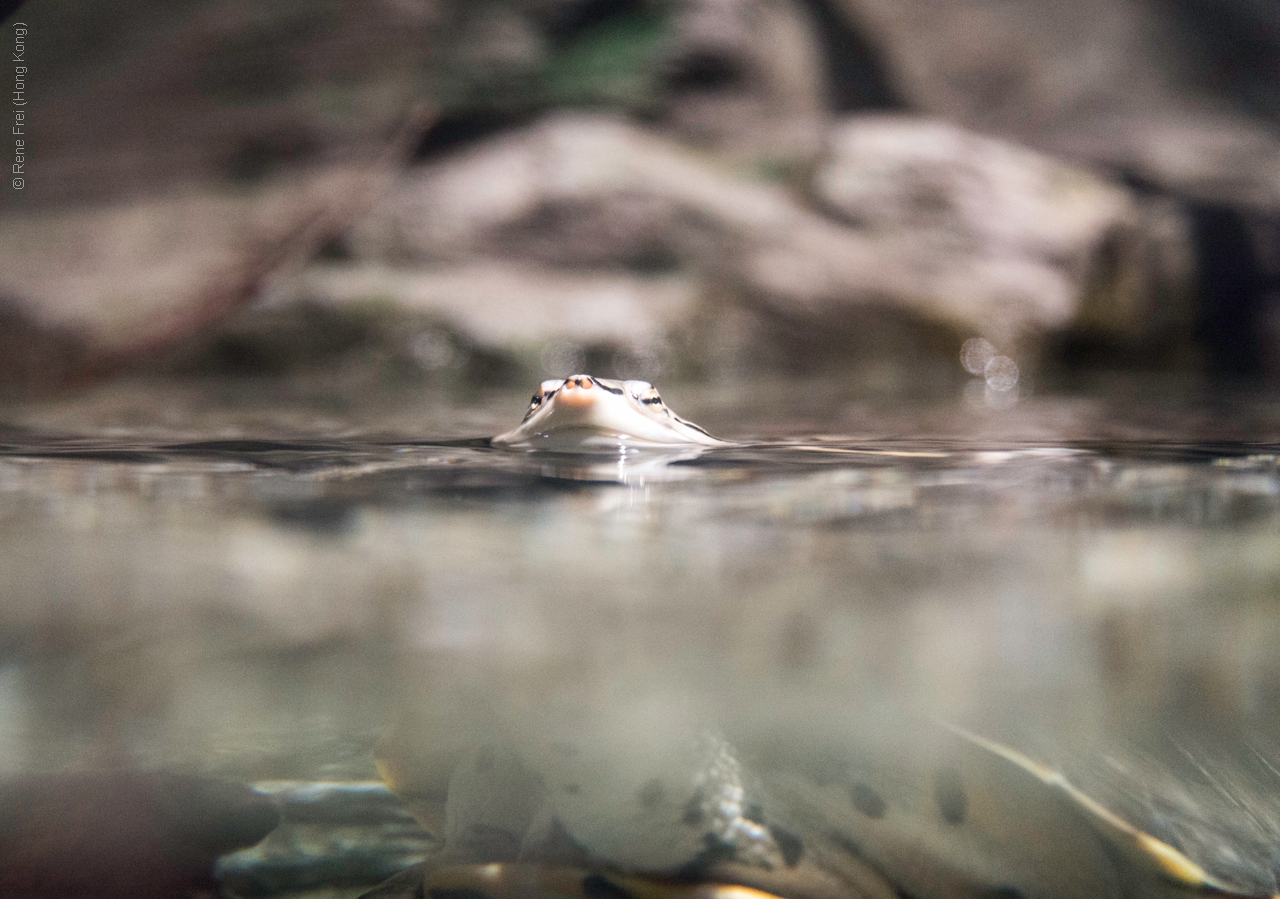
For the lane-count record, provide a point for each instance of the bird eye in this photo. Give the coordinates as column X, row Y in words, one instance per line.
column 638, row 389
column 536, row 401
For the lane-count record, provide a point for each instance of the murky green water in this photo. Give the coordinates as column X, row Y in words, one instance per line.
column 231, row 601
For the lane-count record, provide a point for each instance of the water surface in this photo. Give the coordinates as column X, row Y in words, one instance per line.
column 1096, row 587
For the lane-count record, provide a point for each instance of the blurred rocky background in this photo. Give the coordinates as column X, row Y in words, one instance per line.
column 403, row 193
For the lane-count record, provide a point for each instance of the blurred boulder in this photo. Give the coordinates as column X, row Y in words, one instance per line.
column 180, row 156
column 1028, row 231
column 748, row 78
column 928, row 179
column 511, row 196
column 358, row 343
column 1176, row 96
column 495, row 316
column 498, row 63
column 496, row 38
column 915, row 220
column 1179, row 94
column 408, row 884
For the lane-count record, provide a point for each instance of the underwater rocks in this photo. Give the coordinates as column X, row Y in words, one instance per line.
column 122, row 834
column 331, row 835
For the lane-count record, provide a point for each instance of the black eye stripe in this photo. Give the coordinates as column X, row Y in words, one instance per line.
column 617, row 391
column 689, row 424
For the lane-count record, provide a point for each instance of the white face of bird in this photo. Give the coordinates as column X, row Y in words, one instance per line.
column 584, row 412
